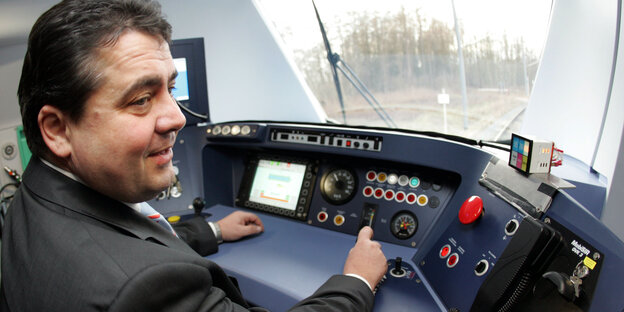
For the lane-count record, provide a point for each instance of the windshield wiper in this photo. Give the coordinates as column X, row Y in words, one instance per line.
column 337, row 64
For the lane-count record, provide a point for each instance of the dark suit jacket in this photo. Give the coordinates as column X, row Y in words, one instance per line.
column 67, row 247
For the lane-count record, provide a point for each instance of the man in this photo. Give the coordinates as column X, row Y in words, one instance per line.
column 101, row 122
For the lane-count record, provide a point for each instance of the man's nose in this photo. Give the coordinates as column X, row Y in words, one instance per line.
column 171, row 117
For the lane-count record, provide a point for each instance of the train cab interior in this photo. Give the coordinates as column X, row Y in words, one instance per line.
column 483, row 141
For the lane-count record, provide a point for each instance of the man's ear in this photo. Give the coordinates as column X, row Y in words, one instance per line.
column 53, row 126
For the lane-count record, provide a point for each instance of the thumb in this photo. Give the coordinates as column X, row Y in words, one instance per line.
column 366, row 233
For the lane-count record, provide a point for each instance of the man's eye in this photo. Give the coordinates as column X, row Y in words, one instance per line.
column 140, row 101
column 171, row 89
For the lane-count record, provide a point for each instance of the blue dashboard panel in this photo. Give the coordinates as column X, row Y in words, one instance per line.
column 283, row 265
column 295, row 255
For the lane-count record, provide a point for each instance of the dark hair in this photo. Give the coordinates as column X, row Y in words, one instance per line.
column 60, row 66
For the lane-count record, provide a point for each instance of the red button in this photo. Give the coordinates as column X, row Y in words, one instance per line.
column 389, row 194
column 452, row 260
column 379, row 193
column 368, row 191
column 322, row 216
column 471, row 210
column 444, row 252
column 371, row 175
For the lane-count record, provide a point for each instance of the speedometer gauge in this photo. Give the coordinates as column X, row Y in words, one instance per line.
column 338, row 186
column 404, row 224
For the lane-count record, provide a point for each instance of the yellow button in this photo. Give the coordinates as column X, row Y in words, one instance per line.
column 173, row 219
column 589, row 263
column 381, row 177
column 339, row 220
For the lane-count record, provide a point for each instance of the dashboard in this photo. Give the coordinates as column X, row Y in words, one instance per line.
column 455, row 237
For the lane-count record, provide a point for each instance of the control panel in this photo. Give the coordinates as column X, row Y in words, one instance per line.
column 398, row 201
column 452, row 243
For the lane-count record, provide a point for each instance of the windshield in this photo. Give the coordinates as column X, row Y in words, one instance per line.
column 463, row 68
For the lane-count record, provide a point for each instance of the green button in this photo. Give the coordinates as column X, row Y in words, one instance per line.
column 414, row 182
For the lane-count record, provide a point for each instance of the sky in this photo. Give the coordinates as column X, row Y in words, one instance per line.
column 517, row 18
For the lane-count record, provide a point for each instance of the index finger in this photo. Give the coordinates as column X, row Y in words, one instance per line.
column 365, row 233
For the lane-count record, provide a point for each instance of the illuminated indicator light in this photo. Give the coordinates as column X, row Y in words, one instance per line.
column 399, row 197
column 414, row 182
column 226, row 130
column 348, row 143
column 216, row 130
column 452, row 260
column 371, row 175
column 235, row 130
column 245, row 130
column 368, row 191
column 322, row 216
column 445, row 251
column 393, row 179
column 389, row 195
column 381, row 177
column 423, row 200
column 379, row 193
column 411, row 198
column 339, row 220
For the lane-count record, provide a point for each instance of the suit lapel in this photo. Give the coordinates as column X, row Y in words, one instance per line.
column 54, row 187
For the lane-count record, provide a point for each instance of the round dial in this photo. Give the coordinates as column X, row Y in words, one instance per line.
column 338, row 186
column 404, row 224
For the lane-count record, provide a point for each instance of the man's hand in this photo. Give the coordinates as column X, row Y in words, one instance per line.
column 239, row 224
column 366, row 258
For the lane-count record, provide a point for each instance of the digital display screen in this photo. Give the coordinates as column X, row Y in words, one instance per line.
column 277, row 183
column 520, row 151
column 181, row 90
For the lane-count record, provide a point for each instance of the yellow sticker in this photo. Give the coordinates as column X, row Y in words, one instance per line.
column 589, row 263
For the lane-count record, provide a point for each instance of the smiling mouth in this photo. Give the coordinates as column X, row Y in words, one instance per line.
column 163, row 157
column 163, row 152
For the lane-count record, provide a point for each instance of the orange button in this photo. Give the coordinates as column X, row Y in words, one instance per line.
column 339, row 220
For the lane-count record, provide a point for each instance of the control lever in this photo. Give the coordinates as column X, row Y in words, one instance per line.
column 398, row 271
column 198, row 205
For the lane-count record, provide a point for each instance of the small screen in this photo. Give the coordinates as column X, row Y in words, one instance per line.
column 277, row 183
column 520, row 151
column 181, row 90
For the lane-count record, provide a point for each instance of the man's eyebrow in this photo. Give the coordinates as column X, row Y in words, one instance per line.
column 173, row 76
column 145, row 83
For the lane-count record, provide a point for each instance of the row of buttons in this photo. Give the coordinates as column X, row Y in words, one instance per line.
column 401, row 180
column 399, row 196
column 230, row 130
column 453, row 258
column 323, row 216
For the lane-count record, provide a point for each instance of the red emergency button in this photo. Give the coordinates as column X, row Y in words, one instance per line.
column 471, row 210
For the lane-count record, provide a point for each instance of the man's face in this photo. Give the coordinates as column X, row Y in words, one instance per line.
column 122, row 145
